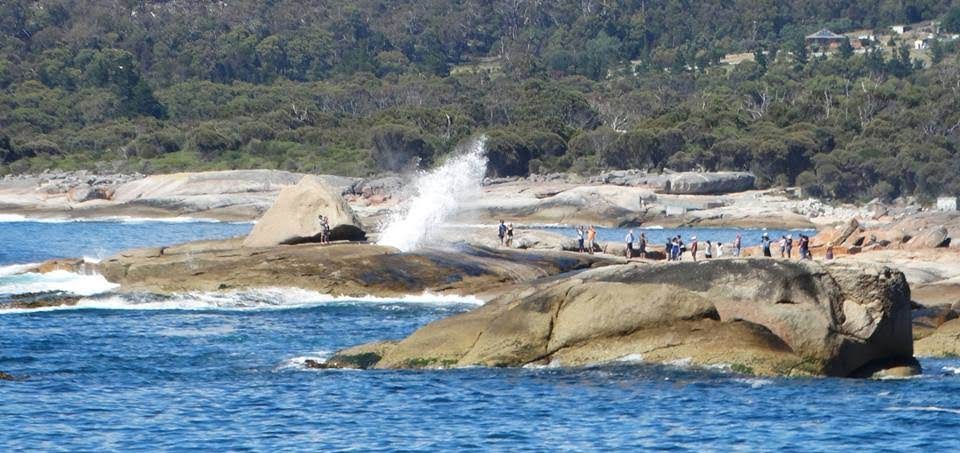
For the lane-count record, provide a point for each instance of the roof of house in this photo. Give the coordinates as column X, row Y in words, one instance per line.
column 825, row 34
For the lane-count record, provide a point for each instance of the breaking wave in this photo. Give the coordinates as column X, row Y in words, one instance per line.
column 254, row 299
column 13, row 282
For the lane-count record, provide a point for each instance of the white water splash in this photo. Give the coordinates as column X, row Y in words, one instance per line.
column 68, row 282
column 438, row 195
column 925, row 409
column 243, row 300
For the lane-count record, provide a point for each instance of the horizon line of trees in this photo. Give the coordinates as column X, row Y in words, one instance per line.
column 365, row 87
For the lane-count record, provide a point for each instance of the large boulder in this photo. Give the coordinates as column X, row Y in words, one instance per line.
column 293, row 218
column 756, row 315
column 84, row 192
column 942, row 342
column 931, row 238
column 691, row 183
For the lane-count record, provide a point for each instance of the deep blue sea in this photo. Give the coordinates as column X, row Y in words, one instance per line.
column 223, row 372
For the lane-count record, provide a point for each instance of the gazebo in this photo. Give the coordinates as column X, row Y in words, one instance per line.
column 826, row 38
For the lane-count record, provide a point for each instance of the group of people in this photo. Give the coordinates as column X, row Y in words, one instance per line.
column 505, row 233
column 786, row 243
column 586, row 236
column 675, row 248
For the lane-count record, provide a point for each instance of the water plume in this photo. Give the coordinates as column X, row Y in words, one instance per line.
column 438, row 195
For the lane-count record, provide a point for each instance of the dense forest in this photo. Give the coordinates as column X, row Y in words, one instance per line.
column 368, row 86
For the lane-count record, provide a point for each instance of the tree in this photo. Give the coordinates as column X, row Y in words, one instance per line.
column 760, row 58
column 951, row 20
column 846, row 49
column 398, row 147
column 937, row 52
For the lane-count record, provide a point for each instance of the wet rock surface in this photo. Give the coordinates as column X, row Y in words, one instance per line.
column 350, row 269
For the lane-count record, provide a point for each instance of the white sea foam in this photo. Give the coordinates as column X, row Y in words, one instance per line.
column 18, row 218
column 680, row 363
column 68, row 282
column 925, row 409
column 14, row 269
column 438, row 195
column 256, row 299
column 754, row 382
column 631, row 358
column 299, row 362
column 952, row 369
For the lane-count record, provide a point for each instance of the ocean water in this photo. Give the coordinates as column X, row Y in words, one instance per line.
column 223, row 372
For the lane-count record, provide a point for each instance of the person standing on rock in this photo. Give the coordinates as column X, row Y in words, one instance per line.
column 719, row 249
column 502, row 232
column 643, row 246
column 765, row 242
column 829, row 255
column 708, row 251
column 789, row 246
column 510, row 235
column 629, row 239
column 591, row 238
column 580, row 235
column 737, row 245
column 804, row 247
column 693, row 247
column 783, row 246
column 325, row 229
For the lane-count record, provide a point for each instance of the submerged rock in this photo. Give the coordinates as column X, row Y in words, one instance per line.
column 760, row 316
column 7, row 377
column 293, row 218
column 30, row 301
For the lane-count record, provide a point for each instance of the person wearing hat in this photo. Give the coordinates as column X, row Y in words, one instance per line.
column 693, row 247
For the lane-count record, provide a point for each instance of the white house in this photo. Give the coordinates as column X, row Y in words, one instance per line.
column 900, row 29
column 947, row 204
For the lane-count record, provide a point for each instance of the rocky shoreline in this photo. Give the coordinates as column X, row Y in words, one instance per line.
column 619, row 198
column 855, row 316
column 760, row 316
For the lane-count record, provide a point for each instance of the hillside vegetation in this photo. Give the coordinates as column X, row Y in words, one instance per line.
column 368, row 86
